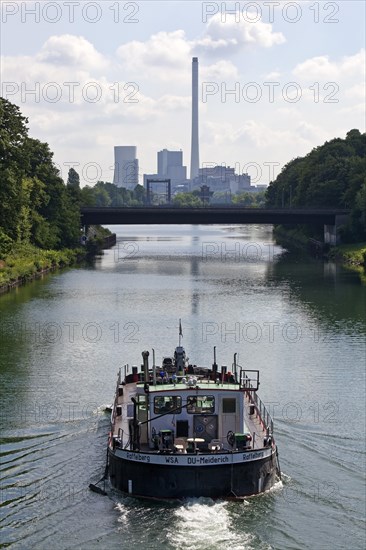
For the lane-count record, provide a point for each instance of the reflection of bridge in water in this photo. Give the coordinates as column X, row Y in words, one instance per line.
column 331, row 218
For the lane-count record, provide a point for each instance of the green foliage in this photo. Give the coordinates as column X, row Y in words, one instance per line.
column 73, row 179
column 25, row 260
column 73, row 187
column 101, row 196
column 13, row 134
column 248, row 199
column 108, row 194
column 36, row 206
column 184, row 200
column 351, row 254
column 6, row 244
column 332, row 175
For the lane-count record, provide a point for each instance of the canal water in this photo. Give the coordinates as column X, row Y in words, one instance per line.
column 62, row 339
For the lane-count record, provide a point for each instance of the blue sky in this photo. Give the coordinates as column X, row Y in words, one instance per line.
column 297, row 69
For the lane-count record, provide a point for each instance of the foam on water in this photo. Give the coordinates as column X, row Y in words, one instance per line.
column 123, row 511
column 105, row 408
column 206, row 525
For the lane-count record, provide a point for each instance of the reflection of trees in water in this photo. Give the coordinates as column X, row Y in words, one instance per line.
column 333, row 294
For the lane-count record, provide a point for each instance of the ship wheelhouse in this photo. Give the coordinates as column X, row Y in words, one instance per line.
column 182, row 408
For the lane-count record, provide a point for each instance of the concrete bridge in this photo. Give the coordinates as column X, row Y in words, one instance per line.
column 163, row 215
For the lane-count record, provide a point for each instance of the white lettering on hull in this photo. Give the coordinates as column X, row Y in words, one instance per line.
column 193, row 460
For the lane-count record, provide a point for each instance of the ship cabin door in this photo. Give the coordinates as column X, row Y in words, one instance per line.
column 229, row 417
column 182, row 428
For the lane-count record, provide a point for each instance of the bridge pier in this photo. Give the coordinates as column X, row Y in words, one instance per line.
column 330, row 235
column 331, row 232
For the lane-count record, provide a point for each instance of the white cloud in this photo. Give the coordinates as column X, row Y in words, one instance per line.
column 232, row 34
column 69, row 50
column 172, row 50
column 358, row 91
column 258, row 134
column 274, row 75
column 174, row 103
column 221, row 70
column 321, row 67
column 167, row 49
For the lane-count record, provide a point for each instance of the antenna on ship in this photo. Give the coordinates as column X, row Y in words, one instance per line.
column 180, row 332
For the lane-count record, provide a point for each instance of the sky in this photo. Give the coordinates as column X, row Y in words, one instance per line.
column 277, row 78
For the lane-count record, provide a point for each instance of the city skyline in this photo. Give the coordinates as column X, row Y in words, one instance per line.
column 109, row 73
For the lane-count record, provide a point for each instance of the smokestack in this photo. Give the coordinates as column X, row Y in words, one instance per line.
column 145, row 355
column 195, row 159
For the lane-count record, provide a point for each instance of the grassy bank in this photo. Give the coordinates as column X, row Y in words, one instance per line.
column 26, row 262
column 349, row 254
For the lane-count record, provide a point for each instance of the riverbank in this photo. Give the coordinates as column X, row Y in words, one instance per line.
column 295, row 238
column 26, row 262
column 352, row 256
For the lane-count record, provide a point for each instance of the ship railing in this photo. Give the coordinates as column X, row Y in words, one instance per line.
column 263, row 413
column 209, row 378
column 249, row 379
column 246, row 383
column 121, row 440
column 123, row 372
column 120, row 378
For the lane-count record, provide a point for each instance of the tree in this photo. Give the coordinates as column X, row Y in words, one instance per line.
column 13, row 134
column 73, row 179
column 73, row 187
column 331, row 175
column 87, row 196
column 140, row 194
column 246, row 199
column 102, row 197
column 184, row 200
column 35, row 204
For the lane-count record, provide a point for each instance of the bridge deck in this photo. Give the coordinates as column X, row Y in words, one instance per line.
column 209, row 215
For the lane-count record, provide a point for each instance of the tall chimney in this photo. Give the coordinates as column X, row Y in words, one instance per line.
column 195, row 158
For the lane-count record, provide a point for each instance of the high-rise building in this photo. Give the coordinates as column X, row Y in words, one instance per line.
column 126, row 166
column 195, row 160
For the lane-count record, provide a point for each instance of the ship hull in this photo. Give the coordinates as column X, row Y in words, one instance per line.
column 229, row 475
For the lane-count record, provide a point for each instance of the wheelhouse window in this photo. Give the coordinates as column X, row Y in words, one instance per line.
column 167, row 403
column 201, row 404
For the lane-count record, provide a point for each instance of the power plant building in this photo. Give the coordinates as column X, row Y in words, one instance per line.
column 170, row 167
column 221, row 178
column 126, row 167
